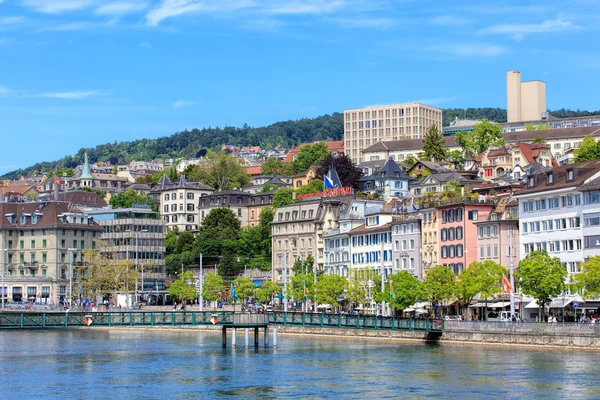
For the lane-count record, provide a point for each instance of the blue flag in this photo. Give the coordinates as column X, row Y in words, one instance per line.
column 328, row 182
column 233, row 294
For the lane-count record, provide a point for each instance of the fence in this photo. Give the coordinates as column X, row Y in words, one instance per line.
column 558, row 328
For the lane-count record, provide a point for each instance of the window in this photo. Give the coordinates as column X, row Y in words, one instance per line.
column 473, row 215
column 444, row 234
column 450, row 233
column 444, row 216
column 569, row 175
column 550, row 178
column 459, row 213
column 459, row 233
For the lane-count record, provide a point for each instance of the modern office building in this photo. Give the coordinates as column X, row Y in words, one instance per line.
column 363, row 127
column 525, row 101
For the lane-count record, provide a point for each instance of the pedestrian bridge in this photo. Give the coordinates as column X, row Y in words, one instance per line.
column 37, row 320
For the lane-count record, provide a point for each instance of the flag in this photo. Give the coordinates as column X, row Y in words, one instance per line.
column 4, row 183
column 392, row 290
column 328, row 182
column 506, row 286
column 232, row 293
column 57, row 180
column 412, row 205
column 305, row 290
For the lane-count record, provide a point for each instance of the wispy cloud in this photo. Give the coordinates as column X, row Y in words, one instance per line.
column 518, row 31
column 11, row 20
column 121, row 8
column 4, row 90
column 72, row 26
column 145, row 45
column 371, row 23
column 76, row 95
column 450, row 20
column 174, row 8
column 467, row 49
column 183, row 103
column 58, row 6
column 304, row 7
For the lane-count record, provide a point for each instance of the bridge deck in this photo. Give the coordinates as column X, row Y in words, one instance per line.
column 33, row 320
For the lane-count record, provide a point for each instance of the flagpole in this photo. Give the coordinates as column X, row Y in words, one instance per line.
column 511, row 266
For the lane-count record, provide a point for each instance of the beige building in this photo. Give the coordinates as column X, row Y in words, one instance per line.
column 364, row 127
column 39, row 240
column 525, row 101
column 429, row 244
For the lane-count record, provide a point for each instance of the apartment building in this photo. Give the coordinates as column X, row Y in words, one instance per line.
column 246, row 206
column 495, row 234
column 429, row 244
column 551, row 213
column 298, row 229
column 39, row 241
column 364, row 127
column 499, row 162
column 406, row 240
column 178, row 202
column 389, row 181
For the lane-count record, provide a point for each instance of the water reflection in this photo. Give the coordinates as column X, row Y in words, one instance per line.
column 173, row 364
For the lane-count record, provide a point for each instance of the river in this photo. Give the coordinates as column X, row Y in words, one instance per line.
column 106, row 364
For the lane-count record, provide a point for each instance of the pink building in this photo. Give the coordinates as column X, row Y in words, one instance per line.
column 457, row 231
column 493, row 235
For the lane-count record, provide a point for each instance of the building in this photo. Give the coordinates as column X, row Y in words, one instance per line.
column 335, row 147
column 298, row 229
column 258, row 203
column 304, row 178
column 259, row 182
column 41, row 242
column 178, row 202
column 525, row 101
column 337, row 241
column 494, row 235
column 429, row 243
column 399, row 150
column 553, row 208
column 135, row 234
column 438, row 182
column 406, row 240
column 371, row 244
column 363, row 127
column 499, row 162
column 390, row 181
column 246, row 206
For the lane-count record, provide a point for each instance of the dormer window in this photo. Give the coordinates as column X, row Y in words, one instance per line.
column 23, row 219
column 550, row 178
column 11, row 218
column 569, row 175
column 531, row 181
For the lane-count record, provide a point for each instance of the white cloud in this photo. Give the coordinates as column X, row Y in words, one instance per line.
column 304, row 7
column 11, row 20
column 518, row 31
column 77, row 95
column 58, row 6
column 71, row 26
column 121, row 8
column 450, row 20
column 4, row 90
column 468, row 49
column 145, row 45
column 373, row 23
column 173, row 8
column 182, row 103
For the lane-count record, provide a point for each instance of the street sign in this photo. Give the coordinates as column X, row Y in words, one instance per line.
column 575, row 304
column 435, row 305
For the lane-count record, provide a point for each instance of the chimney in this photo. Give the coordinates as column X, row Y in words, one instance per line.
column 55, row 191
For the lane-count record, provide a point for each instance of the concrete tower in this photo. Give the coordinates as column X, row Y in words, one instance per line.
column 513, row 96
column 525, row 101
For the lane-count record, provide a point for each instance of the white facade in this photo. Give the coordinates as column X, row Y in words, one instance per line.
column 371, row 245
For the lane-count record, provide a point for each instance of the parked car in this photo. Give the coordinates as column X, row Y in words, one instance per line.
column 452, row 318
column 18, row 305
column 40, row 306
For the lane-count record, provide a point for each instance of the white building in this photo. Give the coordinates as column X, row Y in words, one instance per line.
column 371, row 243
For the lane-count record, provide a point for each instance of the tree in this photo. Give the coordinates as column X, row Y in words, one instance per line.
column 183, row 288
column 314, row 186
column 483, row 135
column 330, row 288
column 226, row 171
column 440, row 284
column 228, row 266
column 266, row 290
column 171, row 240
column 539, row 140
column 303, row 266
column 220, row 224
column 347, row 171
column 310, row 155
column 541, row 277
column 541, row 127
column 283, row 197
column 489, row 278
column 298, row 283
column 185, row 242
column 588, row 280
column 274, row 166
column 467, row 286
column 244, row 288
column 404, row 290
column 589, row 149
column 434, row 145
column 409, row 161
column 105, row 275
column 130, row 197
column 212, row 288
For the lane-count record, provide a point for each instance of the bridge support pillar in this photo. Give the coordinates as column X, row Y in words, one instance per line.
column 224, row 336
column 233, row 334
column 274, row 338
column 266, row 337
column 256, row 337
column 246, row 337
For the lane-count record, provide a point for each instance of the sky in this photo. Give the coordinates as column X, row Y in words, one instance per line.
column 78, row 73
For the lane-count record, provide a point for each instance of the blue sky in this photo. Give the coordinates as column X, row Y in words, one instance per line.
column 77, row 73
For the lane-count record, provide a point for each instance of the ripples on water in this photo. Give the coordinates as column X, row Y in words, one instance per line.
column 102, row 364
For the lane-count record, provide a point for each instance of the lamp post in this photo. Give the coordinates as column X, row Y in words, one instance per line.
column 201, row 279
column 285, row 303
column 3, row 288
column 71, row 251
column 382, row 275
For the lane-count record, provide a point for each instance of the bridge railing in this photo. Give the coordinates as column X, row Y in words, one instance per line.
column 354, row 321
column 559, row 328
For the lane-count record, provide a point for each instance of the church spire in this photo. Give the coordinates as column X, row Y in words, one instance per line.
column 86, row 177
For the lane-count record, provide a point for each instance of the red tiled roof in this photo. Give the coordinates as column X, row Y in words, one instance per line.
column 253, row 170
column 336, row 146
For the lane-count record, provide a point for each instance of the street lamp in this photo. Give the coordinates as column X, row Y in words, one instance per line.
column 3, row 288
column 71, row 251
column 201, row 279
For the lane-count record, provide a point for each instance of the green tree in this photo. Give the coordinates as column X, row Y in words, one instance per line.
column 330, row 288
column 212, row 288
column 244, row 288
column 228, row 266
column 295, row 288
column 347, row 171
column 267, row 290
column 171, row 240
column 483, row 135
column 457, row 156
column 130, row 197
column 303, row 266
column 310, row 155
column 104, row 275
column 274, row 166
column 283, row 197
column 183, row 288
column 221, row 171
column 314, row 186
column 404, row 290
column 541, row 277
column 185, row 242
column 488, row 276
column 220, row 224
column 588, row 280
column 541, row 127
column 434, row 145
column 409, row 161
column 539, row 140
column 440, row 284
column 589, row 149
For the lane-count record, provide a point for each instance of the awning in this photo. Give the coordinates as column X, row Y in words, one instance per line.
column 560, row 302
column 324, row 306
column 533, row 304
column 500, row 304
column 477, row 305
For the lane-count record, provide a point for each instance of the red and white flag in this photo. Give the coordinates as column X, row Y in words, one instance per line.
column 57, row 180
column 506, row 286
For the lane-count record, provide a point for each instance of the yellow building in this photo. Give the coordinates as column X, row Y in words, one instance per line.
column 305, row 177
